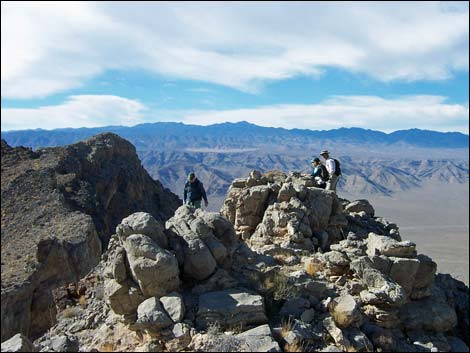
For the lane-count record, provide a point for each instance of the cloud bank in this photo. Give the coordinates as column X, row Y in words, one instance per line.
column 54, row 47
column 371, row 112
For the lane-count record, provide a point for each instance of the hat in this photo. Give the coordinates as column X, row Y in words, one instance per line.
column 316, row 159
column 324, row 152
column 191, row 175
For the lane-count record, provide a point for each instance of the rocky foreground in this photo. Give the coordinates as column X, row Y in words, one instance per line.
column 284, row 266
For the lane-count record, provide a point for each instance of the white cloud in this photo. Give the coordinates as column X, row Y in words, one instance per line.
column 52, row 47
column 77, row 111
column 370, row 112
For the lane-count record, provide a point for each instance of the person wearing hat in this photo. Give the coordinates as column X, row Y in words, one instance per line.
column 319, row 173
column 333, row 168
column 194, row 192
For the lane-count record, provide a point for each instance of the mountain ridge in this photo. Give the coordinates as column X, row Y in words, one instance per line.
column 414, row 137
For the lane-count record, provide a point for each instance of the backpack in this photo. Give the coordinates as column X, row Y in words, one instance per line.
column 337, row 167
column 324, row 173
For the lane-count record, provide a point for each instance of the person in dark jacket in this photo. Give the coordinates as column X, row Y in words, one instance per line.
column 194, row 192
column 319, row 173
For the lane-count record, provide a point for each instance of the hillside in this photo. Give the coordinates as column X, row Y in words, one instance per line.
column 59, row 208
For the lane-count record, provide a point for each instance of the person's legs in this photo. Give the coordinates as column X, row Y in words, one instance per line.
column 194, row 204
column 331, row 184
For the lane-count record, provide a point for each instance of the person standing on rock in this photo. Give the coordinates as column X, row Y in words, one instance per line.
column 319, row 173
column 334, row 170
column 194, row 192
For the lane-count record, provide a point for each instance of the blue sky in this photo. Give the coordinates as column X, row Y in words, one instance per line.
column 296, row 65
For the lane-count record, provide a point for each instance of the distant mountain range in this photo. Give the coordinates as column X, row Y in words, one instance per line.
column 144, row 136
column 373, row 162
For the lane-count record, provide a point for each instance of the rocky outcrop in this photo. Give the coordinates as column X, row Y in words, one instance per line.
column 59, row 208
column 284, row 211
column 359, row 287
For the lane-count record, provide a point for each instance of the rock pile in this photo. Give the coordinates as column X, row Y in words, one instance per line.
column 285, row 266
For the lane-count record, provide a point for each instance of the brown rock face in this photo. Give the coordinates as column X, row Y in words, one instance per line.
column 59, row 208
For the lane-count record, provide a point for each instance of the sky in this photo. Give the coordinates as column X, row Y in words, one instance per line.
column 315, row 65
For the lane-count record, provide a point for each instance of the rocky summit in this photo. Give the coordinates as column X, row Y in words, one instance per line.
column 284, row 266
column 59, row 208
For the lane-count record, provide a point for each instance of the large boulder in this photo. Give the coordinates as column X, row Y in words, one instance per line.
column 142, row 223
column 231, row 307
column 206, row 239
column 384, row 245
column 360, row 206
column 152, row 267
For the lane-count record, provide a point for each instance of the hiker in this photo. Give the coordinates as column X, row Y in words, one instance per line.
column 194, row 192
column 319, row 173
column 334, row 170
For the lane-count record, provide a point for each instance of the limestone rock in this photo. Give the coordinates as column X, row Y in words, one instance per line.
column 122, row 298
column 360, row 205
column 403, row 272
column 345, row 311
column 174, row 306
column 143, row 223
column 151, row 316
column 428, row 315
column 152, row 267
column 383, row 245
column 381, row 290
column 424, row 276
column 259, row 339
column 236, row 306
column 18, row 343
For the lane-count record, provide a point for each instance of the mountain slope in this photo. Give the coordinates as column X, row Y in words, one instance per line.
column 59, row 208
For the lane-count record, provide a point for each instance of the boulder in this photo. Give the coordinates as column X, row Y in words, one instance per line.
column 18, row 343
column 174, row 306
column 122, row 298
column 381, row 290
column 152, row 267
column 403, row 272
column 287, row 192
column 345, row 311
column 64, row 344
column 383, row 245
column 428, row 315
column 198, row 260
column 424, row 276
column 151, row 316
column 143, row 223
column 259, row 339
column 360, row 206
column 251, row 206
column 231, row 307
